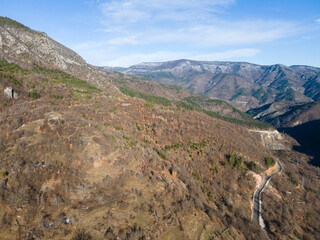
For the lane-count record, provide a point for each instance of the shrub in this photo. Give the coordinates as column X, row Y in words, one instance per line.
column 118, row 128
column 253, row 166
column 234, row 161
column 11, row 67
column 214, row 170
column 198, row 146
column 126, row 137
column 82, row 235
column 196, row 176
column 9, row 22
column 113, row 138
column 139, row 127
column 209, row 194
column 149, row 98
column 11, row 79
column 133, row 143
column 34, row 95
column 175, row 146
column 149, row 105
column 160, row 153
column 145, row 140
column 292, row 179
column 58, row 76
column 113, row 109
column 195, row 103
column 56, row 96
column 4, row 173
column 269, row 161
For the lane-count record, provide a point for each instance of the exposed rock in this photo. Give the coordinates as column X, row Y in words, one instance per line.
column 10, row 93
column 53, row 120
column 272, row 140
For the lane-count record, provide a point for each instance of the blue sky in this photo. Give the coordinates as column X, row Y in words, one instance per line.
column 127, row 32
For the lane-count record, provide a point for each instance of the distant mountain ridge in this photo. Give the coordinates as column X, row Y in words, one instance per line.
column 243, row 84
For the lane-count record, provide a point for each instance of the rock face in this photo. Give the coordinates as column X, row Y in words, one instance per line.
column 245, row 85
column 33, row 45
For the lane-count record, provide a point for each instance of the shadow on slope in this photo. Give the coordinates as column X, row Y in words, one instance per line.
column 308, row 135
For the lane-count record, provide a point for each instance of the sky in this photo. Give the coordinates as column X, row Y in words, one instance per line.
column 127, row 32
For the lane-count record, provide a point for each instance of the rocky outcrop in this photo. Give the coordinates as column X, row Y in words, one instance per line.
column 10, row 93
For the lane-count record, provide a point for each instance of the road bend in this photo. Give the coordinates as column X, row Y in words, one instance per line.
column 257, row 204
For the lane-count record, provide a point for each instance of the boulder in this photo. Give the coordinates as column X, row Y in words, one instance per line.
column 10, row 93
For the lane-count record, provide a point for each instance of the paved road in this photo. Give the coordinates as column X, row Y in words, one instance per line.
column 257, row 204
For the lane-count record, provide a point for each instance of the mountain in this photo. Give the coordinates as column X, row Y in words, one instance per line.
column 27, row 47
column 283, row 115
column 244, row 85
column 100, row 155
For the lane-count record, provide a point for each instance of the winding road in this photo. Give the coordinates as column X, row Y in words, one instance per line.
column 257, row 204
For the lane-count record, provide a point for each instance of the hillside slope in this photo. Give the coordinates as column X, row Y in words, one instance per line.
column 83, row 161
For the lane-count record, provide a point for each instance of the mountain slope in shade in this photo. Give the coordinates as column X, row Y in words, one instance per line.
column 245, row 85
column 282, row 115
column 308, row 136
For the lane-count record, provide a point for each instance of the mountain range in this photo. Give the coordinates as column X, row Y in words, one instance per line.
column 244, row 85
column 276, row 94
column 88, row 153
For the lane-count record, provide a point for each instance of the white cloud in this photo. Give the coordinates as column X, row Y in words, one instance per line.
column 125, row 12
column 220, row 34
column 120, row 41
column 187, row 21
column 317, row 20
